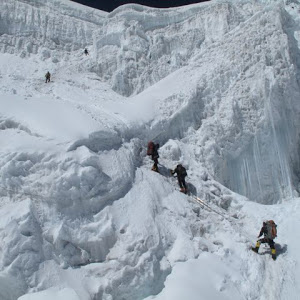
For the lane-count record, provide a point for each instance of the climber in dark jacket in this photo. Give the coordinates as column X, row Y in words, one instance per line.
column 181, row 174
column 155, row 157
column 48, row 75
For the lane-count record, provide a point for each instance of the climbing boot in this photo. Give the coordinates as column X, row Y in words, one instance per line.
column 256, row 247
column 155, row 169
column 273, row 252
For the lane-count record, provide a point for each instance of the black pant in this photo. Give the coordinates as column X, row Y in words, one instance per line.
column 268, row 241
column 155, row 160
column 181, row 182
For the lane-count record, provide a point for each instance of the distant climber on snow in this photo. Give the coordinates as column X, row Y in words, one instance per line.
column 152, row 150
column 86, row 52
column 48, row 75
column 181, row 174
column 269, row 230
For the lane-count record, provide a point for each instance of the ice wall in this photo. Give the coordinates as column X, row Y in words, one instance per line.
column 250, row 139
column 47, row 28
column 140, row 46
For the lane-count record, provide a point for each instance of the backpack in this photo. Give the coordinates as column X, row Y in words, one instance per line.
column 271, row 229
column 150, row 148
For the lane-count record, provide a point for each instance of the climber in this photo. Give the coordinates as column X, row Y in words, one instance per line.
column 86, row 52
column 270, row 232
column 153, row 151
column 181, row 174
column 48, row 75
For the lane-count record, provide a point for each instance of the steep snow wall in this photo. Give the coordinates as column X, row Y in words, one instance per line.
column 259, row 150
column 256, row 129
column 139, row 46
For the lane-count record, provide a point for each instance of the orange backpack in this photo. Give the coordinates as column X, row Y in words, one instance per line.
column 150, row 148
column 271, row 229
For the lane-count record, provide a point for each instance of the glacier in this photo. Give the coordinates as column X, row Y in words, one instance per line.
column 216, row 84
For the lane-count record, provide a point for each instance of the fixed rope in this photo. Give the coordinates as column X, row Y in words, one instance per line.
column 20, row 193
column 200, row 201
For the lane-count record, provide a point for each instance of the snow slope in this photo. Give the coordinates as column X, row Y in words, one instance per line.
column 82, row 214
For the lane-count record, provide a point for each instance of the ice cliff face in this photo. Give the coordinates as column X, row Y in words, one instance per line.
column 252, row 91
column 137, row 42
column 47, row 28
